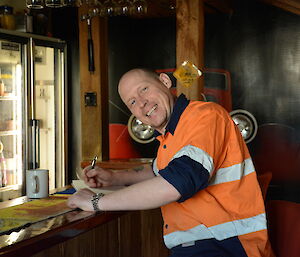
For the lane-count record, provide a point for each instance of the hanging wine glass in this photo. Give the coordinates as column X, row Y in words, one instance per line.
column 54, row 3
column 142, row 6
column 93, row 12
column 35, row 4
column 122, row 7
column 139, row 7
column 109, row 7
column 101, row 9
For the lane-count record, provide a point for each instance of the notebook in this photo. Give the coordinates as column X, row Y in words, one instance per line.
column 79, row 184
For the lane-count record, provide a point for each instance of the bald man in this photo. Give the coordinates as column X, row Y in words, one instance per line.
column 203, row 177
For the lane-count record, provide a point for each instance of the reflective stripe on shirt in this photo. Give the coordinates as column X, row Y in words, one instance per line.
column 154, row 167
column 228, row 174
column 232, row 173
column 195, row 154
column 220, row 232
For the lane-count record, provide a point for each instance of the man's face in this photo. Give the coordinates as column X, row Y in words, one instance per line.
column 148, row 98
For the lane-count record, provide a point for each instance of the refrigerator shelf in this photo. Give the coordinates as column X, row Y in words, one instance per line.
column 9, row 133
column 8, row 98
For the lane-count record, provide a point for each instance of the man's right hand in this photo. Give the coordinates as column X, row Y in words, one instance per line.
column 98, row 177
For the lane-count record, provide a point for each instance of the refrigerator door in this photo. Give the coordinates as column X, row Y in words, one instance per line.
column 32, row 110
column 47, row 115
column 11, row 117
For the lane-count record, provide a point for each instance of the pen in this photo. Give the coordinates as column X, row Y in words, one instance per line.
column 93, row 163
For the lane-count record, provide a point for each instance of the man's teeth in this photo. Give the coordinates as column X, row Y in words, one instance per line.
column 152, row 109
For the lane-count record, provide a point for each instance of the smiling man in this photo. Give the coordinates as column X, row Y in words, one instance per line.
column 148, row 97
column 203, row 177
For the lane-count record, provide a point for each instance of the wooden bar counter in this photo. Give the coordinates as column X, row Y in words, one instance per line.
column 87, row 234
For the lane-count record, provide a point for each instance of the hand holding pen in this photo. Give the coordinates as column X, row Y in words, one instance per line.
column 97, row 177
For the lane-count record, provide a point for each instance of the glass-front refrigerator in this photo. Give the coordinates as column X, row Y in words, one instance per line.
column 32, row 110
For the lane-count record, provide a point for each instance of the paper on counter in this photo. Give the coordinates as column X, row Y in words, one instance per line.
column 17, row 217
column 79, row 184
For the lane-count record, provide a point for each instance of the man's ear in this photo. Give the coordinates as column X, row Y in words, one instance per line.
column 165, row 79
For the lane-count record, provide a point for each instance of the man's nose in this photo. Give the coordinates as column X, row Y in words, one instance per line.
column 142, row 102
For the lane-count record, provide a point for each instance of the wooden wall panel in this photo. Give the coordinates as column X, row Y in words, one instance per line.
column 94, row 119
column 101, row 241
column 190, row 41
column 152, row 234
column 135, row 234
column 130, row 235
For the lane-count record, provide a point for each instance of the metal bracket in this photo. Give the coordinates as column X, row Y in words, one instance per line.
column 90, row 99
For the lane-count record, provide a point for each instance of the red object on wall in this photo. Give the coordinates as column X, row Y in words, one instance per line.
column 221, row 96
column 284, row 227
column 120, row 143
column 276, row 148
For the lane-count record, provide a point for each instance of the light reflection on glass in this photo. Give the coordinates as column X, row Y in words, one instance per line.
column 54, row 3
column 35, row 4
column 18, row 120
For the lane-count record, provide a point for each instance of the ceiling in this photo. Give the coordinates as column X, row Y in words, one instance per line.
column 166, row 8
column 287, row 5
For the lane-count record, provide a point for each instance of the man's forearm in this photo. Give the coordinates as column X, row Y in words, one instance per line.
column 134, row 175
column 149, row 194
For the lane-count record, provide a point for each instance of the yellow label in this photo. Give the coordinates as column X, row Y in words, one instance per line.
column 187, row 73
column 5, row 76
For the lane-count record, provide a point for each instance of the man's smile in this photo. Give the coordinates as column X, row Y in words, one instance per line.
column 151, row 110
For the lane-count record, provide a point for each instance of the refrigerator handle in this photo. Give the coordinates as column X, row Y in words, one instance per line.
column 35, row 143
column 38, row 143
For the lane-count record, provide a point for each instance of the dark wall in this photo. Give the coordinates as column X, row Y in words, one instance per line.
column 65, row 27
column 148, row 43
column 260, row 46
column 133, row 43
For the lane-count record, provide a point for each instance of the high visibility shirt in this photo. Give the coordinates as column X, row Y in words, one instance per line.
column 203, row 155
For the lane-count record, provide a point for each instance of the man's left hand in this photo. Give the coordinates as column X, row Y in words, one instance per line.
column 81, row 199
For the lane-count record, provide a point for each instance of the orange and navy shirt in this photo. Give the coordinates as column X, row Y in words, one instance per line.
column 203, row 155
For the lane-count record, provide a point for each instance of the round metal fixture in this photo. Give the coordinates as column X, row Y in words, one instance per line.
column 139, row 131
column 246, row 123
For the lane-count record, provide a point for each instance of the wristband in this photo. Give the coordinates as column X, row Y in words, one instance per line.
column 95, row 200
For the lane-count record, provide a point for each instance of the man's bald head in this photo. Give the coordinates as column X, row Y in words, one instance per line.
column 137, row 73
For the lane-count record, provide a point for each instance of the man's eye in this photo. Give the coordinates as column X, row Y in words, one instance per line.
column 145, row 89
column 132, row 102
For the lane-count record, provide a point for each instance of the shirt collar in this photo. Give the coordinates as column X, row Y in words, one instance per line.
column 181, row 103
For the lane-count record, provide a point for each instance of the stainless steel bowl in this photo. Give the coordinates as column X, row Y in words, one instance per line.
column 246, row 123
column 140, row 132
